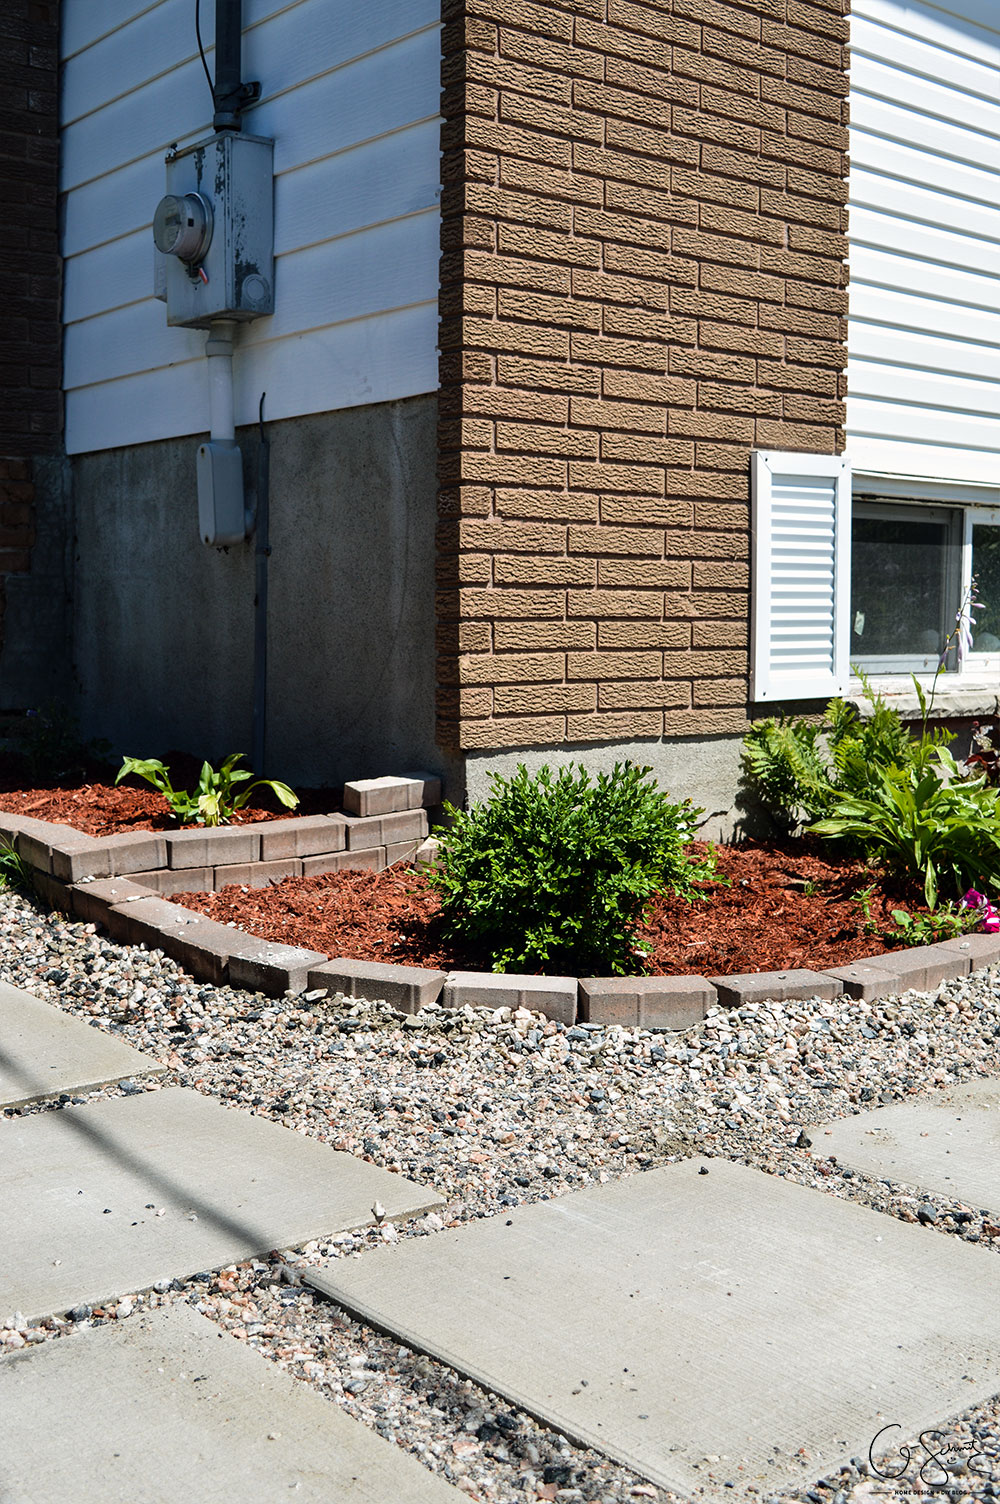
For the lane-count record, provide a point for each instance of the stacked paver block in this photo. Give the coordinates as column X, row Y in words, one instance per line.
column 646, row 1002
column 642, row 280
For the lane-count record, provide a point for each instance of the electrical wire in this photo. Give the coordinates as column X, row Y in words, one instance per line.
column 201, row 50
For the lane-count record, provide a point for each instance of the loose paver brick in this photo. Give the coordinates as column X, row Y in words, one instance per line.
column 646, row 1002
column 948, row 1143
column 166, row 1406
column 91, row 901
column 44, row 1052
column 256, row 874
column 370, row 860
column 169, row 880
column 145, row 921
column 36, row 840
column 382, row 796
column 135, row 851
column 865, row 982
column 304, row 835
column 85, row 1185
column 701, row 1323
column 782, row 986
column 209, row 848
column 407, row 988
column 982, row 950
column 555, row 996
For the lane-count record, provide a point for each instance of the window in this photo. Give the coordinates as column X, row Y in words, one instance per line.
column 873, row 575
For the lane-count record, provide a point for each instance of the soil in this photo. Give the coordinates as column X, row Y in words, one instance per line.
column 785, row 907
column 95, row 806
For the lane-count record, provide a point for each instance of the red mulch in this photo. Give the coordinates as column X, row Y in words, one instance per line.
column 766, row 921
column 98, row 808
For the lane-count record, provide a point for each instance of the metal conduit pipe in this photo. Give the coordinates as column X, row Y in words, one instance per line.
column 219, row 350
column 229, row 92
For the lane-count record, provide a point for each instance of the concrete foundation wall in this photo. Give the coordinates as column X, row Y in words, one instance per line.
column 703, row 769
column 163, row 631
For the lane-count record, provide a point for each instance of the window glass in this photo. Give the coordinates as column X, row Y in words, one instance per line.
column 986, row 573
column 899, row 586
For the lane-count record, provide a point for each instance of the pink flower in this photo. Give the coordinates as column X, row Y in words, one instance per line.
column 989, row 919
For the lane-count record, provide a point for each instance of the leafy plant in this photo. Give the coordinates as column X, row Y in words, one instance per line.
column 214, row 800
column 944, row 923
column 799, row 769
column 985, row 754
column 14, row 871
column 554, row 872
column 925, row 823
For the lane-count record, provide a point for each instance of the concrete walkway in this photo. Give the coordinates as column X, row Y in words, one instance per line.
column 701, row 1323
column 711, row 1326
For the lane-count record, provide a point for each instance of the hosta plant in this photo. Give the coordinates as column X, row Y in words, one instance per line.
column 925, row 823
column 214, row 801
column 554, row 872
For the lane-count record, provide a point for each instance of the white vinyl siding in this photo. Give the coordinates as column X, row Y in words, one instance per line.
column 801, row 576
column 351, row 97
column 924, row 331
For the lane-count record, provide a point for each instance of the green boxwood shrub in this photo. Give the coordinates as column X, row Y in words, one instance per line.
column 554, row 872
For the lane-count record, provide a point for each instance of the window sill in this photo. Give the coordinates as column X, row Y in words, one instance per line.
column 952, row 700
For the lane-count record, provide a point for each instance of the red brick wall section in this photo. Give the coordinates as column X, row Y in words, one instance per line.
column 30, row 349
column 643, row 279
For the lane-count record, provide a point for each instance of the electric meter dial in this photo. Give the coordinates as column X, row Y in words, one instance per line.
column 182, row 226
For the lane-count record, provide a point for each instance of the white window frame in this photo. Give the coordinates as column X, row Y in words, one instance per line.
column 978, row 504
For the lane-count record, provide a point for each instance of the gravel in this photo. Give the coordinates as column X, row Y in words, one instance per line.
column 494, row 1110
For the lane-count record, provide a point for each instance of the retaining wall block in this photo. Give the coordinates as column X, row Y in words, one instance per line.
column 923, row 967
column 170, row 880
column 34, row 842
column 865, row 982
column 84, row 857
column 405, row 988
column 255, row 874
column 58, row 895
column 777, row 986
column 263, row 966
column 149, row 921
column 13, row 825
column 305, row 835
column 91, row 901
column 381, row 830
column 400, row 851
column 982, row 950
column 646, row 1002
column 204, row 949
column 553, row 996
column 136, row 851
column 427, row 853
column 203, row 848
column 382, row 796
column 345, row 861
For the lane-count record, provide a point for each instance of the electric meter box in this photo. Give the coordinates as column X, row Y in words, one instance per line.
column 214, row 231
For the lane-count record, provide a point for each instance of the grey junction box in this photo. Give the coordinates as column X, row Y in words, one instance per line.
column 230, row 178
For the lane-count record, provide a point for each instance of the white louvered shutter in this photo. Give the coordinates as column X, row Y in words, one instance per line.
column 801, row 585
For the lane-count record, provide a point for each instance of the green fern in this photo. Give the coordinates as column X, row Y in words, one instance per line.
column 783, row 763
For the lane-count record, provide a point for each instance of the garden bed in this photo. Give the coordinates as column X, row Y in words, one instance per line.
column 784, row 907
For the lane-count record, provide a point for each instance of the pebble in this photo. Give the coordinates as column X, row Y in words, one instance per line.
column 495, row 1110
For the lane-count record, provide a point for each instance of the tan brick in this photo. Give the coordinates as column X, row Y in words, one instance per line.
column 605, row 477
column 539, row 438
column 648, row 510
column 626, row 603
column 807, row 437
column 567, row 248
column 524, row 569
column 644, row 695
column 516, row 271
column 720, row 692
column 643, row 634
column 518, row 635
column 643, row 449
column 706, row 663
column 573, row 123
column 460, row 702
column 521, row 731
column 512, row 668
column 633, row 416
column 518, row 537
column 609, row 665
column 544, row 699
column 510, row 337
column 657, row 574
column 710, row 425
column 509, row 468
column 603, row 350
column 646, row 542
column 707, row 544
column 608, row 726
column 506, row 402
column 704, row 722
column 535, row 307
column 576, row 506
column 719, row 634
column 520, row 372
column 511, row 603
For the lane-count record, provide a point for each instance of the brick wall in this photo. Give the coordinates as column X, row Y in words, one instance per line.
column 30, row 401
column 643, row 279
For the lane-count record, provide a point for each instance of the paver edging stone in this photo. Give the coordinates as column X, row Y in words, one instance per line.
column 220, row 953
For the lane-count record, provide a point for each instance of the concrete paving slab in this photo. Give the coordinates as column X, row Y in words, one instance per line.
column 681, row 1316
column 44, row 1051
column 948, row 1143
column 167, row 1407
column 114, row 1196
